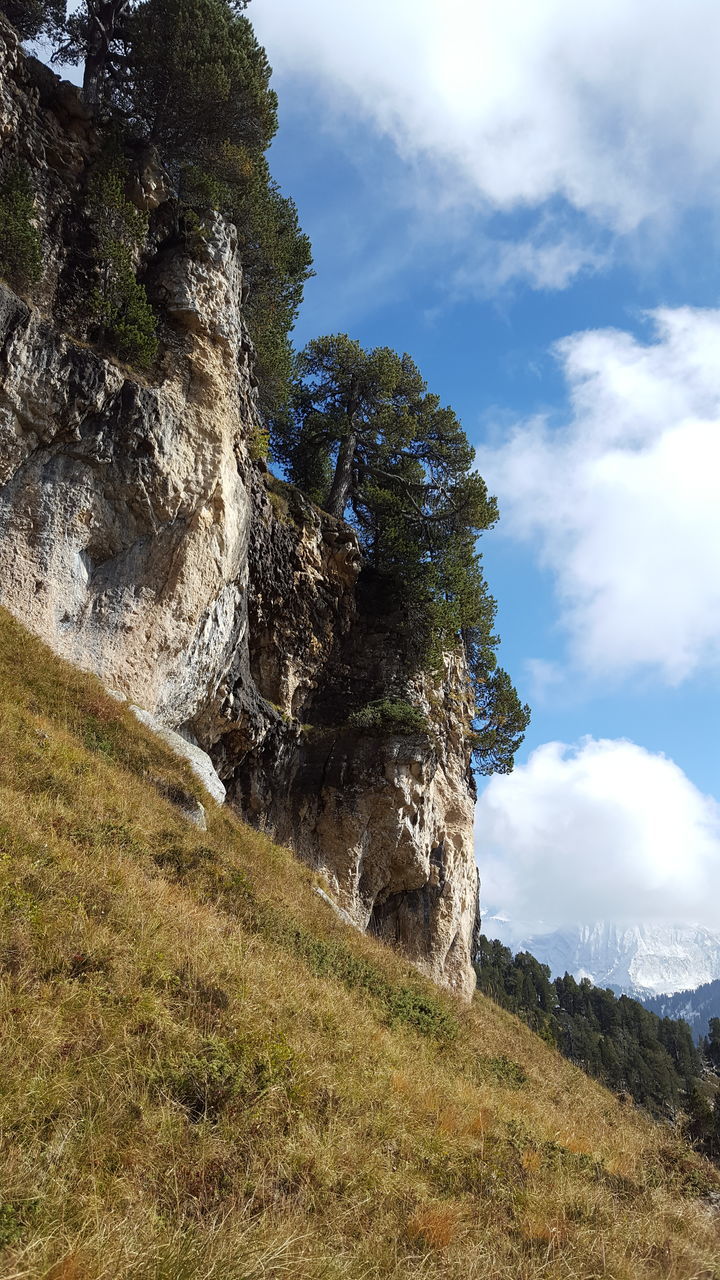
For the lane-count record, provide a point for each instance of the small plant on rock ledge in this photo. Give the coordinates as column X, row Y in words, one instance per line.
column 259, row 443
column 119, row 303
column 387, row 716
column 20, row 245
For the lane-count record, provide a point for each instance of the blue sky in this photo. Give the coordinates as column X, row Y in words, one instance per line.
column 480, row 185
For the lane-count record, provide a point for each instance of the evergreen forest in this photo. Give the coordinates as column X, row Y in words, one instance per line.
column 641, row 1056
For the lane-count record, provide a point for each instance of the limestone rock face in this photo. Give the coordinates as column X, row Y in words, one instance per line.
column 199, row 760
column 141, row 538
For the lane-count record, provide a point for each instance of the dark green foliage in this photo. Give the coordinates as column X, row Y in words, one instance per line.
column 20, row 244
column 519, row 983
column 277, row 261
column 119, row 303
column 196, row 82
column 92, row 34
column 225, row 1073
column 400, row 1003
column 700, row 1005
column 712, row 1043
column 180, row 862
column 504, row 1070
column 365, row 439
column 503, row 720
column 410, row 1003
column 190, row 79
column 34, row 18
column 259, row 442
column 612, row 1038
column 389, row 716
column 196, row 85
column 204, row 1083
column 702, row 1120
column 15, row 1218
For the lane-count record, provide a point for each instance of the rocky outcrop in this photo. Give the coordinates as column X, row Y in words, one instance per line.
column 143, row 540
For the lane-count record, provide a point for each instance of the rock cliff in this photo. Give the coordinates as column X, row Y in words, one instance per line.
column 144, row 540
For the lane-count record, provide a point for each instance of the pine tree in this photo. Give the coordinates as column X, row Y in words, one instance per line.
column 713, row 1043
column 365, row 439
column 34, row 18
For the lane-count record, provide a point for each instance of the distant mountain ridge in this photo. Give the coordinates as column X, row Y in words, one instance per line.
column 645, row 961
column 696, row 1007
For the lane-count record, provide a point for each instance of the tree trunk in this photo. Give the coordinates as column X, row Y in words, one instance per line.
column 92, row 77
column 102, row 20
column 341, row 486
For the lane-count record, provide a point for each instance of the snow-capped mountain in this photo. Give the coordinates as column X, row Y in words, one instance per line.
column 641, row 960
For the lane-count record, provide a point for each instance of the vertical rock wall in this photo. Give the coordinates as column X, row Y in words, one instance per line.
column 142, row 540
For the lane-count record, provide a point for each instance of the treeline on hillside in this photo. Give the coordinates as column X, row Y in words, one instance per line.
column 613, row 1038
column 356, row 430
column 698, row 1006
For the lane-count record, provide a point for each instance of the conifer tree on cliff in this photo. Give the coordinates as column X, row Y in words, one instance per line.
column 189, row 78
column 92, row 35
column 34, row 18
column 367, row 441
column 196, row 84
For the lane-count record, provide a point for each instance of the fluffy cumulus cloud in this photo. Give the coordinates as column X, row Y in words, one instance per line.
column 623, row 502
column 600, row 830
column 612, row 109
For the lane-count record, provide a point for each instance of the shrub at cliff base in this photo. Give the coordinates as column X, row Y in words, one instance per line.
column 204, row 1075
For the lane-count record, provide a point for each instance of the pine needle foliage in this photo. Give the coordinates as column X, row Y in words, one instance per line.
column 197, row 85
column 613, row 1038
column 119, row 303
column 20, row 242
column 364, row 438
column 191, row 79
column 34, row 18
column 389, row 716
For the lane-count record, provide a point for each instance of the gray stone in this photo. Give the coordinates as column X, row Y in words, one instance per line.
column 199, row 760
column 341, row 915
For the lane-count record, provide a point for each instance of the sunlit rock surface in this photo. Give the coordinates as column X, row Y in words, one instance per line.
column 141, row 538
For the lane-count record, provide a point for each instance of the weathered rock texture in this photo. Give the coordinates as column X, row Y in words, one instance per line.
column 141, row 539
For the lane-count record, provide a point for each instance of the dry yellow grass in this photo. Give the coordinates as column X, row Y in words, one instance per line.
column 203, row 1074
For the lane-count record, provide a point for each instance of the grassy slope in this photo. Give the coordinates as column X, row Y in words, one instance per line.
column 203, row 1074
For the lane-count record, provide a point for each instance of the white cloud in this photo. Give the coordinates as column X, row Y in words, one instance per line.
column 545, row 258
column 600, row 830
column 613, row 108
column 623, row 503
column 544, row 678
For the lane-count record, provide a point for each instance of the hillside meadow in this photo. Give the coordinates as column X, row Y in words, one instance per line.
column 204, row 1074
